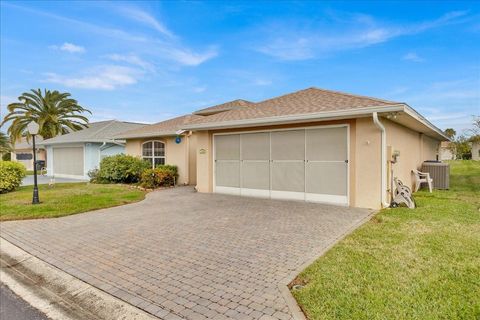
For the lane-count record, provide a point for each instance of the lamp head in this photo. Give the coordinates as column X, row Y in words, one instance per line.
column 33, row 128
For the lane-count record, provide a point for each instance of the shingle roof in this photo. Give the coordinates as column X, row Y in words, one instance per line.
column 231, row 105
column 164, row 128
column 102, row 131
column 311, row 100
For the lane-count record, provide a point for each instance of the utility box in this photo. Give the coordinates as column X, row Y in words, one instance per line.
column 439, row 172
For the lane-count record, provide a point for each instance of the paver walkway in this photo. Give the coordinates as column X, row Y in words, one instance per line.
column 181, row 254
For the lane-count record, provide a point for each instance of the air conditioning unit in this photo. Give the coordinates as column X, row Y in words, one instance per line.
column 439, row 172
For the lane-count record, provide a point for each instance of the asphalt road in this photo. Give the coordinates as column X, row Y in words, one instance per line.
column 12, row 307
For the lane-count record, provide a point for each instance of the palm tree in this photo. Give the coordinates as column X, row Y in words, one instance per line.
column 55, row 112
column 5, row 146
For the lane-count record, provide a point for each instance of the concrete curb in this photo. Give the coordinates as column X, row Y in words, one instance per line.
column 295, row 309
column 56, row 293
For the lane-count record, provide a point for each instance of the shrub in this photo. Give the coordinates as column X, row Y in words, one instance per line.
column 161, row 176
column 121, row 169
column 93, row 175
column 11, row 175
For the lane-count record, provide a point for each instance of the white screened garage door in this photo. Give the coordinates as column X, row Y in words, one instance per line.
column 303, row 164
column 68, row 161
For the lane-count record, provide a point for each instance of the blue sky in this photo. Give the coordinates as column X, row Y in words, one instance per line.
column 149, row 61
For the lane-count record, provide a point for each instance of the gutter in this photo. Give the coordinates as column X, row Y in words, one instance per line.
column 383, row 150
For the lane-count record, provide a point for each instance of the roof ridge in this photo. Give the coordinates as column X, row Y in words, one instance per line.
column 353, row 95
column 324, row 90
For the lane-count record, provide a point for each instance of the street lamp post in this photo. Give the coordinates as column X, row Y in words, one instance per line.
column 33, row 128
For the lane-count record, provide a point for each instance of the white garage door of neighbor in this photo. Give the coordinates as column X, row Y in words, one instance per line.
column 308, row 164
column 68, row 161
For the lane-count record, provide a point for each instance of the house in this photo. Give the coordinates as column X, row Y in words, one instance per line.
column 74, row 154
column 476, row 149
column 23, row 152
column 313, row 145
column 447, row 151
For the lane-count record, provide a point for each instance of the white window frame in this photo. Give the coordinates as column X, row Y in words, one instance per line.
column 153, row 157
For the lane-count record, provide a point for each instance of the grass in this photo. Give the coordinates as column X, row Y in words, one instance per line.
column 405, row 264
column 64, row 199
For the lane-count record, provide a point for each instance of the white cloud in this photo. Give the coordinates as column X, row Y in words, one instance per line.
column 412, row 56
column 131, row 59
column 169, row 48
column 145, row 18
column 69, row 47
column 288, row 42
column 100, row 78
column 188, row 57
column 448, row 104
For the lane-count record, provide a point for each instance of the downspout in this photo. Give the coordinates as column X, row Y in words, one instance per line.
column 380, row 126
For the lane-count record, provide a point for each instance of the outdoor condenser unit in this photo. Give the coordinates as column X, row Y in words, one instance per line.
column 439, row 172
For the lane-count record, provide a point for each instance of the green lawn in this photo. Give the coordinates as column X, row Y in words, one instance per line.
column 405, row 264
column 64, row 199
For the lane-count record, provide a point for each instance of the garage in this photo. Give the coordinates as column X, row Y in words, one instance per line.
column 68, row 161
column 309, row 164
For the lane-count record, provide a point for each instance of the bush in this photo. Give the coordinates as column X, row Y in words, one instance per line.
column 7, row 156
column 161, row 176
column 120, row 169
column 11, row 175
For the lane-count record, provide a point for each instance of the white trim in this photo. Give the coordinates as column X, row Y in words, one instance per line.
column 287, row 195
column 275, row 194
column 228, row 190
column 326, row 198
column 256, row 193
column 283, row 129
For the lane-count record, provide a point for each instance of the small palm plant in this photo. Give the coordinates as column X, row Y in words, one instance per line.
column 55, row 112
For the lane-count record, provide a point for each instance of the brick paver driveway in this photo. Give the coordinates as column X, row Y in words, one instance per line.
column 181, row 254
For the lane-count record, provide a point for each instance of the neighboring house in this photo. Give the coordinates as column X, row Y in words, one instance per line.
column 446, row 151
column 74, row 154
column 314, row 145
column 23, row 152
column 476, row 150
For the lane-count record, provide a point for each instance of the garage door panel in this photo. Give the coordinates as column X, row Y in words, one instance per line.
column 327, row 144
column 288, row 145
column 256, row 175
column 68, row 161
column 255, row 146
column 327, row 178
column 227, row 174
column 227, row 147
column 288, row 176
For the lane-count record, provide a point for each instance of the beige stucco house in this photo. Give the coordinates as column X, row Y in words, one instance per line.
column 23, row 152
column 447, row 151
column 313, row 145
column 476, row 150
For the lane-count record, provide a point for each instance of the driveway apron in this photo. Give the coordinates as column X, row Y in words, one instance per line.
column 181, row 254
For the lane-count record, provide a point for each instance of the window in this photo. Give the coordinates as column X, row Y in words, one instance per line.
column 24, row 156
column 154, row 152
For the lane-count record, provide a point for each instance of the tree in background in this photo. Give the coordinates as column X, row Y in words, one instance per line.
column 55, row 112
column 5, row 146
column 451, row 133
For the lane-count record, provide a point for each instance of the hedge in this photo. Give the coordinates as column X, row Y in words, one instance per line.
column 161, row 176
column 11, row 175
